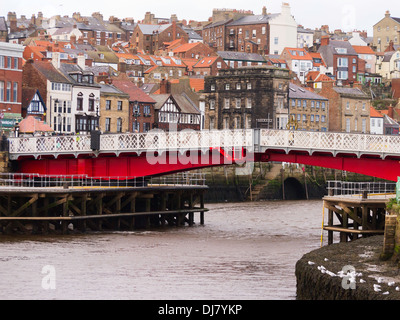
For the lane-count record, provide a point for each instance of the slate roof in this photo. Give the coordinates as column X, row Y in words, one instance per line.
column 183, row 102
column 150, row 28
column 297, row 92
column 254, row 19
column 241, row 56
column 351, row 92
column 49, row 72
column 3, row 24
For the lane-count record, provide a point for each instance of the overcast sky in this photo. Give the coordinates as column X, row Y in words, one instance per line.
column 338, row 14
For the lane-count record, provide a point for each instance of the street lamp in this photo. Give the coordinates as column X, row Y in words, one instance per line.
column 136, row 114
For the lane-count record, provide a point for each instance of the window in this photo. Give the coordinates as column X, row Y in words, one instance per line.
column 212, row 104
column 343, row 62
column 15, row 63
column 342, row 75
column 8, row 93
column 227, row 103
column 227, row 86
column 317, row 105
column 238, row 86
column 312, row 118
column 79, row 102
column 254, row 33
column 323, row 119
column 263, row 30
column 238, row 103
column 108, row 104
column 276, row 40
column 108, row 124
column 119, row 105
column 355, row 124
column 323, row 105
column 119, row 125
column 1, row 90
column 317, row 118
column 348, row 105
column 304, row 103
column 293, row 102
column 248, row 103
column 2, row 60
column 249, row 86
column 9, row 62
column 15, row 92
column 364, row 125
column 213, row 87
column 347, row 125
column 91, row 104
column 299, row 103
column 354, row 69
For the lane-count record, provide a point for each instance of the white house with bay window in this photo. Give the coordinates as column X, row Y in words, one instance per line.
column 85, row 99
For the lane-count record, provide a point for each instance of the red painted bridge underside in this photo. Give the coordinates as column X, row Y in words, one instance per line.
column 132, row 165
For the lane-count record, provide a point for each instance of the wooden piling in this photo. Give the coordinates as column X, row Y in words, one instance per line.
column 357, row 217
column 66, row 210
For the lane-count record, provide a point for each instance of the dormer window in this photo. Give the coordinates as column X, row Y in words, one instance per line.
column 79, row 78
column 101, row 56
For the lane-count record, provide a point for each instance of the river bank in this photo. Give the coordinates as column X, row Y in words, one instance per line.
column 319, row 272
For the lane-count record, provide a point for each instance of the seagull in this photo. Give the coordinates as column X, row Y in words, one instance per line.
column 331, row 273
column 391, row 283
column 326, row 259
column 362, row 281
column 380, row 280
column 310, row 263
column 386, row 292
column 397, row 289
column 377, row 287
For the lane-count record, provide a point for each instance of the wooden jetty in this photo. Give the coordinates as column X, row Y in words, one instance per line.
column 42, row 210
column 357, row 216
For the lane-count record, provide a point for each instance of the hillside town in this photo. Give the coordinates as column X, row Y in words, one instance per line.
column 240, row 69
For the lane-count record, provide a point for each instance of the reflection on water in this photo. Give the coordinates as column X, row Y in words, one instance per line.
column 244, row 251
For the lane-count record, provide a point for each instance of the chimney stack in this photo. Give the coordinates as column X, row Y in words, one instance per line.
column 164, row 86
column 325, row 40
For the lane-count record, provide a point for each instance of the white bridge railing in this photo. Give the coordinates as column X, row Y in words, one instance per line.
column 252, row 139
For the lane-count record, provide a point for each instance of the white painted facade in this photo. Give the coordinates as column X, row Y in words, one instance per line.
column 283, row 31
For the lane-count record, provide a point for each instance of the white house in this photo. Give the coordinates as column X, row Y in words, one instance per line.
column 283, row 30
column 85, row 97
column 376, row 121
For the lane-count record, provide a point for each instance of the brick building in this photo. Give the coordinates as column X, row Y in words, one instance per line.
column 151, row 38
column 10, row 83
column 141, row 106
column 209, row 66
column 248, row 97
column 341, row 59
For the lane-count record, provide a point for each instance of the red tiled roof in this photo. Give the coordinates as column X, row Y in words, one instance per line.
column 135, row 93
column 185, row 47
column 197, row 84
column 374, row 113
column 363, row 50
column 305, row 56
column 30, row 125
column 189, row 63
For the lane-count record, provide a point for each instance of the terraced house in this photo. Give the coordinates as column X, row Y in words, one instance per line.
column 309, row 110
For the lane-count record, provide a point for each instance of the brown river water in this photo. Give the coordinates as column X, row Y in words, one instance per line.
column 245, row 251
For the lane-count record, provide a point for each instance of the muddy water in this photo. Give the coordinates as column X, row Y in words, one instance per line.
column 244, row 251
